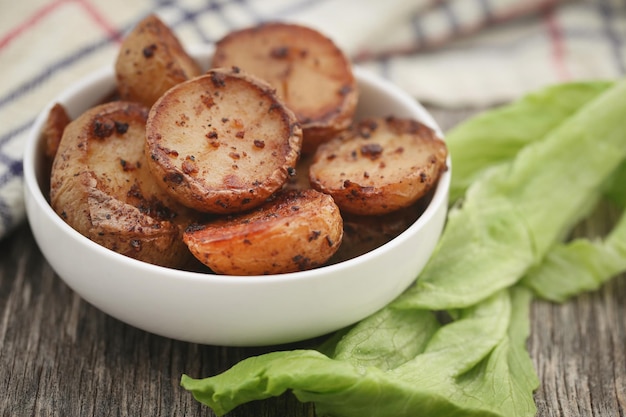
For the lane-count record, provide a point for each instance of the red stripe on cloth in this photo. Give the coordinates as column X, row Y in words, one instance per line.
column 557, row 43
column 29, row 22
column 97, row 17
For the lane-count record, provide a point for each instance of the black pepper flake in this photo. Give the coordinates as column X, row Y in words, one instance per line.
column 217, row 80
column 176, row 178
column 329, row 241
column 345, row 90
column 103, row 129
column 291, row 171
column 423, row 177
column 279, row 52
column 195, row 227
column 259, row 143
column 126, row 166
column 235, row 69
column 314, row 235
column 121, row 128
column 366, row 128
column 135, row 244
column 273, row 106
column 135, row 192
column 148, row 51
column 303, row 262
column 372, row 150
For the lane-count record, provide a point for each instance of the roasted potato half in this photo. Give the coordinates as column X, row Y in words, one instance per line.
column 101, row 186
column 150, row 61
column 307, row 69
column 295, row 231
column 222, row 142
column 379, row 166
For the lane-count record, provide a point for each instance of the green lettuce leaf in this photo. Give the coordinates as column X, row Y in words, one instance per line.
column 614, row 189
column 464, row 370
column 582, row 264
column 387, row 339
column 539, row 196
column 495, row 136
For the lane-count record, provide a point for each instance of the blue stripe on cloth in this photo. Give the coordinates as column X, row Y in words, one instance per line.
column 608, row 12
column 7, row 208
column 18, row 130
column 486, row 8
column 452, row 19
column 7, row 220
column 48, row 72
column 15, row 169
column 86, row 51
column 418, row 30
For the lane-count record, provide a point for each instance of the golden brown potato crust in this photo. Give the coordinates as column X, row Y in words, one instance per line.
column 379, row 166
column 101, row 186
column 150, row 61
column 222, row 142
column 296, row 231
column 307, row 69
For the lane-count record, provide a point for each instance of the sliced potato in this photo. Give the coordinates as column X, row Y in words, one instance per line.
column 222, row 142
column 150, row 61
column 298, row 230
column 53, row 129
column 379, row 166
column 101, row 186
column 307, row 69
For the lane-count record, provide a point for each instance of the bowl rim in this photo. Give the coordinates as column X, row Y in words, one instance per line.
column 106, row 75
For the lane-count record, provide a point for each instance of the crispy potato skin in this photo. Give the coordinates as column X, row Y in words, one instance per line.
column 150, row 61
column 379, row 166
column 298, row 230
column 53, row 129
column 222, row 142
column 307, row 69
column 100, row 185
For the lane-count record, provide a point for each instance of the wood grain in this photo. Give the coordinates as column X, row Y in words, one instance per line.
column 59, row 356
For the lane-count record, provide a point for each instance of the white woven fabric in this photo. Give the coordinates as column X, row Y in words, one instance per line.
column 448, row 53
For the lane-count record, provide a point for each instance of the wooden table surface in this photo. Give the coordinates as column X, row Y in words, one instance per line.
column 59, row 356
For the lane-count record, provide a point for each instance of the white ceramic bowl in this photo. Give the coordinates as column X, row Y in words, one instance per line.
column 231, row 310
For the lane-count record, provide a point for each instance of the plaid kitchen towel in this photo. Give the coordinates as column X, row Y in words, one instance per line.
column 444, row 52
